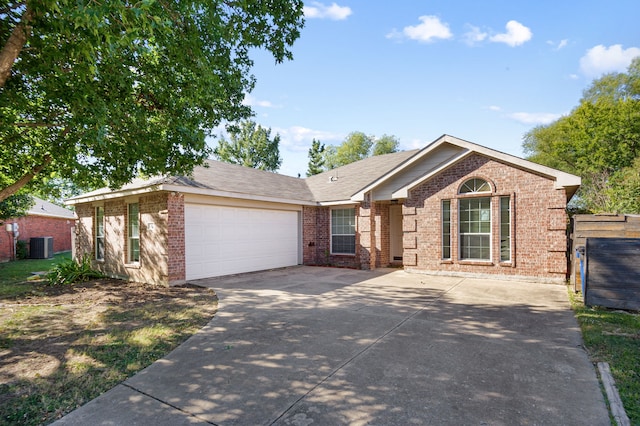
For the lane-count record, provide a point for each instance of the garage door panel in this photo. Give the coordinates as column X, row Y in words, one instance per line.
column 227, row 240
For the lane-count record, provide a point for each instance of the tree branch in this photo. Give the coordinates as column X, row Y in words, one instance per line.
column 15, row 187
column 14, row 45
column 12, row 7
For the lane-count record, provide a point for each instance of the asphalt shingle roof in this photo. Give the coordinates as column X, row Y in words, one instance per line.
column 343, row 182
column 45, row 208
column 333, row 185
column 245, row 180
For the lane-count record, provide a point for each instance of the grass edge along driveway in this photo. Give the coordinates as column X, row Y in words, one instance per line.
column 613, row 336
column 60, row 347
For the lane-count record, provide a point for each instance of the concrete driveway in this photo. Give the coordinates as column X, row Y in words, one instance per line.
column 326, row 346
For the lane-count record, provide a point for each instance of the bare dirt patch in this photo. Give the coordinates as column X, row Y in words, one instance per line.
column 53, row 337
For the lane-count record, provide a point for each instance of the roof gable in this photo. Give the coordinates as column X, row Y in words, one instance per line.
column 341, row 183
column 445, row 152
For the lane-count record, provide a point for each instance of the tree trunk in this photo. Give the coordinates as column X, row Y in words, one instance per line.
column 14, row 45
column 15, row 187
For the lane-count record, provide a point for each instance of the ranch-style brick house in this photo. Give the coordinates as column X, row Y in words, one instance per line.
column 453, row 207
column 43, row 219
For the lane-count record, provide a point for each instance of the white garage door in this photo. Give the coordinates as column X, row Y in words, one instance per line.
column 230, row 240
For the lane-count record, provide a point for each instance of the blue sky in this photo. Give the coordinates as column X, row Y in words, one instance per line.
column 483, row 71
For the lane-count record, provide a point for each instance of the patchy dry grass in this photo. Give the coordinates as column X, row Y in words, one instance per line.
column 61, row 347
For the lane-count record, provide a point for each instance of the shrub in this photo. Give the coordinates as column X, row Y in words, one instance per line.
column 69, row 271
column 21, row 250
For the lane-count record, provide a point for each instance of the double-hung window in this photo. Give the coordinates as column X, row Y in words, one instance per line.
column 99, row 233
column 343, row 231
column 133, row 232
column 475, row 228
column 475, row 221
column 446, row 229
column 505, row 229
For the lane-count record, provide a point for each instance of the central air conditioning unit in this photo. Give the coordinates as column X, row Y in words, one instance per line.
column 41, row 248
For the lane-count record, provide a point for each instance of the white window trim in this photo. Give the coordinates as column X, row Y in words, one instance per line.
column 332, row 234
column 442, row 257
column 510, row 229
column 129, row 238
column 491, row 236
column 96, row 236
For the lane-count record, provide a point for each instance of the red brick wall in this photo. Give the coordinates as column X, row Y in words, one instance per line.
column 155, row 210
column 538, row 216
column 32, row 226
column 175, row 238
column 382, row 236
column 365, row 233
column 316, row 240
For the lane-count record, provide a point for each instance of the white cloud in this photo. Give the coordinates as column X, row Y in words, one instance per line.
column 534, row 118
column 430, row 29
column 516, row 34
column 558, row 45
column 474, row 35
column 298, row 138
column 600, row 59
column 494, row 108
column 322, row 11
column 249, row 100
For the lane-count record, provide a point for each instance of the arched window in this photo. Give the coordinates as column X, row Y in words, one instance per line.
column 475, row 185
column 475, row 221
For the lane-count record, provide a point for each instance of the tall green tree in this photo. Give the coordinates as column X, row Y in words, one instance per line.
column 358, row 146
column 250, row 145
column 599, row 140
column 99, row 92
column 386, row 144
column 316, row 158
column 355, row 147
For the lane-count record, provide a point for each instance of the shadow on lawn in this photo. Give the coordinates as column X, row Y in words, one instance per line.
column 64, row 348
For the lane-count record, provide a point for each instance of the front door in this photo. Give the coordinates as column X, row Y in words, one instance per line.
column 395, row 233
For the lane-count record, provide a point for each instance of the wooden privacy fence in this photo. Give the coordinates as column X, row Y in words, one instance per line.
column 598, row 226
column 609, row 265
column 613, row 273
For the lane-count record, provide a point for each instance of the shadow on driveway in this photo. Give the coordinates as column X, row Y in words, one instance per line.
column 306, row 345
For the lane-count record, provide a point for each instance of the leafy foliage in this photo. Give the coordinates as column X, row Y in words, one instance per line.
column 387, row 144
column 21, row 250
column 599, row 140
column 354, row 148
column 16, row 205
column 103, row 91
column 250, row 145
column 358, row 146
column 69, row 272
column 316, row 158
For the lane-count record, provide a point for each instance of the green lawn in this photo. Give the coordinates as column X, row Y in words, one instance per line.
column 14, row 276
column 68, row 344
column 613, row 336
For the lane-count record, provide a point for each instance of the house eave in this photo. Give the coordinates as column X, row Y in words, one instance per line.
column 230, row 194
column 91, row 198
column 336, row 203
column 184, row 190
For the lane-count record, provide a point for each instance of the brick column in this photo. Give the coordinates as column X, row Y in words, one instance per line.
column 364, row 222
column 176, row 259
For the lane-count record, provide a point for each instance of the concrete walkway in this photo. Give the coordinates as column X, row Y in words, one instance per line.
column 326, row 346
